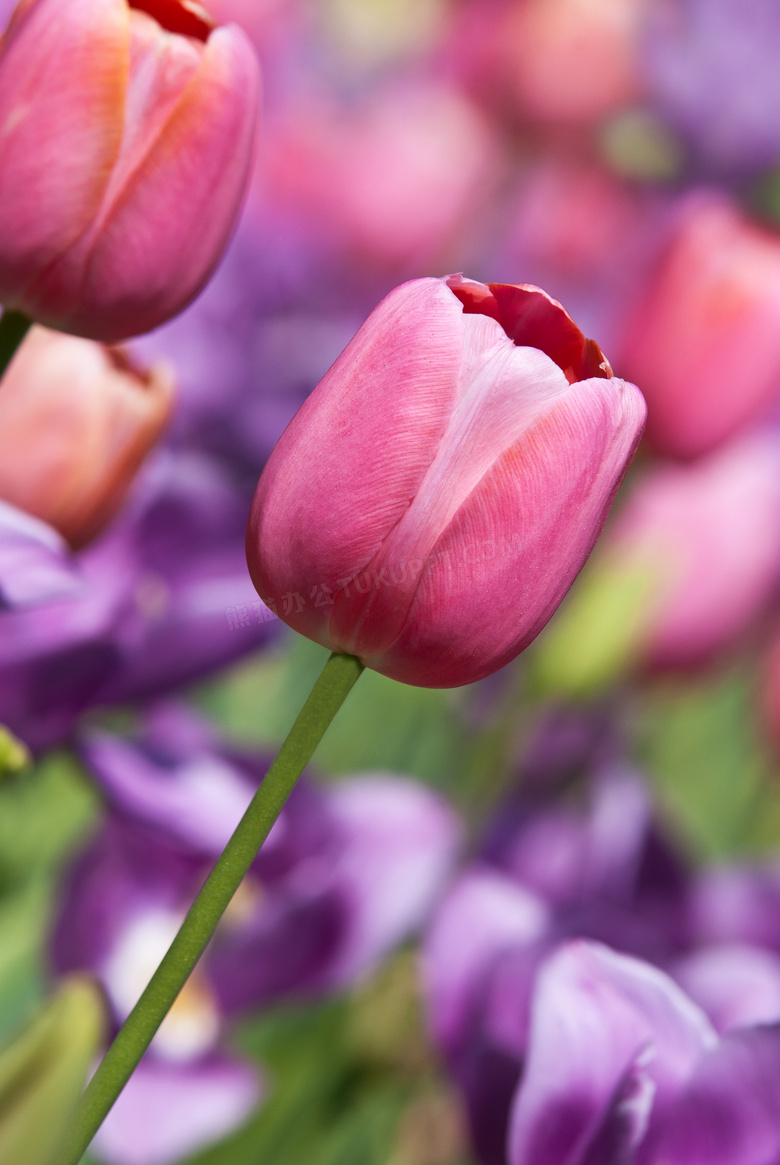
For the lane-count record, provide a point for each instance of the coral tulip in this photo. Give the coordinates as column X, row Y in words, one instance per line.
column 431, row 503
column 76, row 421
column 126, row 139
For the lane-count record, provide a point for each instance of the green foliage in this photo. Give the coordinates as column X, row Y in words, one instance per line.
column 42, row 1074
column 44, row 815
column 383, row 725
column 13, row 754
column 342, row 1077
column 700, row 740
column 598, row 633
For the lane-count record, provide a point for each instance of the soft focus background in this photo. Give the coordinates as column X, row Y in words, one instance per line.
column 620, row 781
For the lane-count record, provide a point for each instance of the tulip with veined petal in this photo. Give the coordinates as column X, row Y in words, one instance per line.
column 429, row 506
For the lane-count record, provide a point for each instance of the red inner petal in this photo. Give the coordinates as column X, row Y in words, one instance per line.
column 186, row 17
column 531, row 318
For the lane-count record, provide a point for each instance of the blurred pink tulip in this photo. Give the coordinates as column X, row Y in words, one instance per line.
column 566, row 62
column 431, row 503
column 394, row 180
column 76, row 421
column 704, row 340
column 709, row 535
column 573, row 60
column 126, row 141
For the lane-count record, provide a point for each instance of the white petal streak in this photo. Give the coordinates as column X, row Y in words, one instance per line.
column 502, row 389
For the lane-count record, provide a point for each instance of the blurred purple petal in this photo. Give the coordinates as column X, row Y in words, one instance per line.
column 711, row 67
column 199, row 800
column 611, row 1038
column 167, row 1111
column 730, row 1112
column 737, row 985
column 398, row 844
column 738, row 904
column 483, row 915
column 126, row 871
column 35, row 565
column 190, row 606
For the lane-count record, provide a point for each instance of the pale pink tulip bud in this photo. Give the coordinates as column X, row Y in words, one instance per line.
column 704, row 341
column 395, row 180
column 76, row 421
column 126, row 142
column 432, row 501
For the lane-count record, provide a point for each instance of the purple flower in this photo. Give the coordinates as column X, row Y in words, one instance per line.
column 165, row 599
column 35, row 565
column 347, row 873
column 168, row 1110
column 623, row 1068
column 588, row 861
column 548, row 871
column 255, row 343
column 711, row 68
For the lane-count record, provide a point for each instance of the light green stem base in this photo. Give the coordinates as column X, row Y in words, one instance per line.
column 333, row 686
column 13, row 328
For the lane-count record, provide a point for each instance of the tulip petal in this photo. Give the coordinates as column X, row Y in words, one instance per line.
column 166, row 1111
column 728, row 1115
column 397, row 848
column 34, row 563
column 352, row 459
column 74, row 122
column 501, row 391
column 529, row 315
column 502, row 566
column 199, row 800
column 611, row 1038
column 736, row 984
column 174, row 198
column 484, row 915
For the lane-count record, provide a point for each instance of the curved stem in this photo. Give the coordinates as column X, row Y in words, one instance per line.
column 13, row 328
column 121, row 1059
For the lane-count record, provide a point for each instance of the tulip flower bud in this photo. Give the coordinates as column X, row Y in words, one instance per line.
column 76, row 421
column 431, row 502
column 126, row 137
column 42, row 1074
column 703, row 339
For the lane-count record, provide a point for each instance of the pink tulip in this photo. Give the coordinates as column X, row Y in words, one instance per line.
column 566, row 62
column 433, row 499
column 396, row 180
column 76, row 421
column 710, row 535
column 126, row 141
column 704, row 341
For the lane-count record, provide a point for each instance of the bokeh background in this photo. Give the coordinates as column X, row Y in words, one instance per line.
column 621, row 780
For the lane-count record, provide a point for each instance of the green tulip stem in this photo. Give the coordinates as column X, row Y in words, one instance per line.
column 120, row 1061
column 13, row 328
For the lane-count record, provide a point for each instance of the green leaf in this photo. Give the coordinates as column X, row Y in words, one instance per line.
column 44, row 817
column 23, row 922
column 341, row 1076
column 701, row 741
column 14, row 756
column 42, row 1074
column 600, row 630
